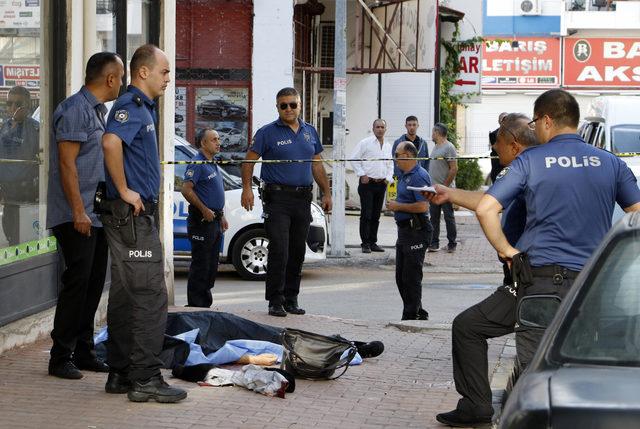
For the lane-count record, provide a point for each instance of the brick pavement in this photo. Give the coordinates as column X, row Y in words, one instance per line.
column 404, row 387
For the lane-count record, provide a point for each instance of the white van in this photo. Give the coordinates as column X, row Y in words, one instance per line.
column 612, row 123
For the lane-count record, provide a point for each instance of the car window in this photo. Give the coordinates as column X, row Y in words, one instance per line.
column 604, row 325
column 180, row 169
column 625, row 138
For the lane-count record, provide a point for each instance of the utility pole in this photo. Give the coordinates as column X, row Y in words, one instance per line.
column 339, row 120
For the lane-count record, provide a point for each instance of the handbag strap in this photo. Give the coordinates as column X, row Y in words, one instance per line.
column 352, row 353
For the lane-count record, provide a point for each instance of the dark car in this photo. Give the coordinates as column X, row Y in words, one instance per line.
column 221, row 109
column 586, row 372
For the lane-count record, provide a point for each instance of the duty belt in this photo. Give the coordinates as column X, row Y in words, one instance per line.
column 557, row 272
column 277, row 187
column 407, row 223
column 150, row 207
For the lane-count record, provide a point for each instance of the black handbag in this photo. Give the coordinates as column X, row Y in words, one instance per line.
column 315, row 356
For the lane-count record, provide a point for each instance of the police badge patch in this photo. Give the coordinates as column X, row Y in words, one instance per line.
column 307, row 137
column 502, row 173
column 121, row 116
column 189, row 173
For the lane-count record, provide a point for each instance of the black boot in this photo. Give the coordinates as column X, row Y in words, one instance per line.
column 117, row 382
column 292, row 307
column 277, row 310
column 157, row 389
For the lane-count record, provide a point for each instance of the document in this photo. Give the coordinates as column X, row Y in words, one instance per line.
column 430, row 189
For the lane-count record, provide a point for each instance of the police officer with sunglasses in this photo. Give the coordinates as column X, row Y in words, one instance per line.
column 286, row 197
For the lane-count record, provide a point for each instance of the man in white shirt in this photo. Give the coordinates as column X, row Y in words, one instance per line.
column 372, row 184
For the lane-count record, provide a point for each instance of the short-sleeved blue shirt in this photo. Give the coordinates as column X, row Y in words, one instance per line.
column 80, row 119
column 570, row 189
column 423, row 152
column 514, row 219
column 134, row 122
column 417, row 177
column 278, row 141
column 207, row 182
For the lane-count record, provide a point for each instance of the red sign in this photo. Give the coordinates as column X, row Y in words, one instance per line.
column 602, row 62
column 526, row 62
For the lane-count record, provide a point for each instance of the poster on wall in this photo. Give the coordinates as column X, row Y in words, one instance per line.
column 20, row 14
column 525, row 62
column 602, row 62
column 181, row 112
column 226, row 111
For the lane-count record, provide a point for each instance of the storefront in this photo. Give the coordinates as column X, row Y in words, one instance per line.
column 44, row 46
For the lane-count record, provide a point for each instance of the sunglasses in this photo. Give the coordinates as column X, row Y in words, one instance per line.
column 515, row 139
column 293, row 106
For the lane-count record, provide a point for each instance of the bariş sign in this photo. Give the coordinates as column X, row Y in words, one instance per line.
column 602, row 62
column 526, row 62
column 468, row 81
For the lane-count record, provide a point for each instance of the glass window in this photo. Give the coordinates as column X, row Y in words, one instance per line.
column 604, row 327
column 625, row 138
column 20, row 149
column 137, row 25
column 105, row 25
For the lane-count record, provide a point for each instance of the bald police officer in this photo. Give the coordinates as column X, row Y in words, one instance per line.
column 414, row 231
column 137, row 311
column 204, row 190
column 286, row 197
column 569, row 189
column 494, row 316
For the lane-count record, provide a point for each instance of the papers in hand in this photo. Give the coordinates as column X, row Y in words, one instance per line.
column 430, row 189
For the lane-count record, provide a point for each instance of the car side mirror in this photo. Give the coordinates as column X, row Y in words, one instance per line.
column 537, row 311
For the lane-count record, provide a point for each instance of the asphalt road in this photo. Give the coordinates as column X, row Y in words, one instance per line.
column 353, row 293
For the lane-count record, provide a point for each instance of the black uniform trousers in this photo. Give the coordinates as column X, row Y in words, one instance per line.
column 287, row 216
column 493, row 317
column 85, row 261
column 449, row 220
column 371, row 200
column 137, row 310
column 205, row 240
column 548, row 280
column 410, row 250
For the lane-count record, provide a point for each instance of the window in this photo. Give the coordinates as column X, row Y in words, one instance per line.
column 605, row 327
column 20, row 149
column 327, row 42
column 625, row 138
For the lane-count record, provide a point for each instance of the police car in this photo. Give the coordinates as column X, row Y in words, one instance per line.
column 245, row 242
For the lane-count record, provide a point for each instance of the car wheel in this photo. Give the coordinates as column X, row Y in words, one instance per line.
column 226, row 142
column 249, row 256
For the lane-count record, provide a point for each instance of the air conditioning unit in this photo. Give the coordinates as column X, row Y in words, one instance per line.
column 527, row 7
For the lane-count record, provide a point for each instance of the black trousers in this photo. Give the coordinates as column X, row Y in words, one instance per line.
column 137, row 311
column 410, row 250
column 493, row 317
column 287, row 216
column 85, row 259
column 205, row 240
column 449, row 219
column 371, row 200
column 528, row 339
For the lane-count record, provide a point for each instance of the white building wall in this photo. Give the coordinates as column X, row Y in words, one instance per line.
column 272, row 58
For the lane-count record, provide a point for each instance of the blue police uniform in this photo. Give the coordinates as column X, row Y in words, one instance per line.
column 414, row 236
column 423, row 152
column 137, row 311
column 286, row 199
column 569, row 189
column 205, row 237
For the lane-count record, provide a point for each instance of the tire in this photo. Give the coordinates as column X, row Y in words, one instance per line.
column 249, row 254
column 226, row 142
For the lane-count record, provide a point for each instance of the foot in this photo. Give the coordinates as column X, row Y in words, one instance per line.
column 375, row 248
column 370, row 349
column 157, row 389
column 117, row 382
column 457, row 418
column 293, row 309
column 277, row 310
column 422, row 314
column 366, row 248
column 433, row 249
column 95, row 365
column 65, row 370
column 451, row 248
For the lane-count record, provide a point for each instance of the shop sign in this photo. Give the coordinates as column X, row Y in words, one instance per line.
column 526, row 62
column 23, row 75
column 602, row 62
column 468, row 81
column 20, row 14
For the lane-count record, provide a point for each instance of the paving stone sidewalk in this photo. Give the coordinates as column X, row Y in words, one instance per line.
column 404, row 387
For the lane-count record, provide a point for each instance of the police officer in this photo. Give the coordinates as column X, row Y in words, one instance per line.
column 414, row 231
column 137, row 310
column 286, row 197
column 495, row 315
column 204, row 190
column 76, row 166
column 569, row 189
